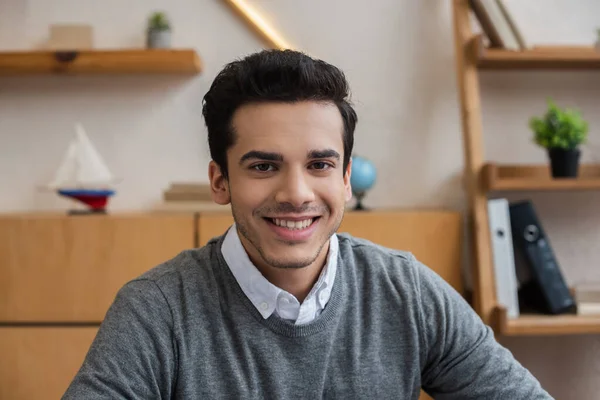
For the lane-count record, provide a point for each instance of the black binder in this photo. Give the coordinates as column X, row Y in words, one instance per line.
column 547, row 291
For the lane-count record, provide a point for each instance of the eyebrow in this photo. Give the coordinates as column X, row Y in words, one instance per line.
column 270, row 156
column 328, row 153
column 261, row 155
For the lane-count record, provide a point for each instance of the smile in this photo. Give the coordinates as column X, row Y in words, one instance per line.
column 293, row 230
column 293, row 225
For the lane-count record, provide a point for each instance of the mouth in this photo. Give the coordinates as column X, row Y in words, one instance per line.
column 293, row 229
column 292, row 224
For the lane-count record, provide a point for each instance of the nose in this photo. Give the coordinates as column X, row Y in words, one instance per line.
column 295, row 189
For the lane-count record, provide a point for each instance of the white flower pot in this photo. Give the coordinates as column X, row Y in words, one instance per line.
column 158, row 39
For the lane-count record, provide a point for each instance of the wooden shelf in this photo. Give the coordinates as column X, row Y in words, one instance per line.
column 497, row 177
column 125, row 61
column 543, row 58
column 539, row 324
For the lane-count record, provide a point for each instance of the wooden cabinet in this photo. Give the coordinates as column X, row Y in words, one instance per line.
column 59, row 274
column 40, row 362
column 433, row 236
column 58, row 268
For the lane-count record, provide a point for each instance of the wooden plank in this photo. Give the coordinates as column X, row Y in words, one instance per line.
column 435, row 237
column 499, row 177
column 125, row 61
column 484, row 294
column 539, row 324
column 39, row 363
column 545, row 58
column 58, row 268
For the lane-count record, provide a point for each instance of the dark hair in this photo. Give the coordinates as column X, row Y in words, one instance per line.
column 272, row 76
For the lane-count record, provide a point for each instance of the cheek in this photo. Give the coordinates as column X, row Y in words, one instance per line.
column 251, row 193
column 331, row 191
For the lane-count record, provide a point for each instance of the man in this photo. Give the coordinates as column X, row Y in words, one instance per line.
column 281, row 306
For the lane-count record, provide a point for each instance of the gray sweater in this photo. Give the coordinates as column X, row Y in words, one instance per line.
column 185, row 330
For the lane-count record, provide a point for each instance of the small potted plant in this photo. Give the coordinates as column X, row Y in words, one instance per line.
column 560, row 132
column 158, row 34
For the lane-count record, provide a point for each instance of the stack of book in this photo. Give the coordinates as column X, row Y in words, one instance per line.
column 498, row 25
column 189, row 196
column 528, row 275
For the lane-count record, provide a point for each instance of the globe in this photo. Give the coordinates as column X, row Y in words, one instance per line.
column 363, row 177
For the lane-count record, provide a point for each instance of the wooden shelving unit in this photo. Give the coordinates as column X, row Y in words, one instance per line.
column 125, row 61
column 499, row 177
column 483, row 177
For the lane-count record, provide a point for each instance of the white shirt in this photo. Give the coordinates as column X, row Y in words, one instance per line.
column 268, row 298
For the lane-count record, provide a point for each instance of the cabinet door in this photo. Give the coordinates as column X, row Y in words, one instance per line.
column 69, row 268
column 39, row 363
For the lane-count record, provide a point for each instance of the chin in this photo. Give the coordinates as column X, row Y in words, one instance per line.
column 291, row 255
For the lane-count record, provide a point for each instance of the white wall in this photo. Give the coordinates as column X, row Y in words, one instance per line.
column 399, row 58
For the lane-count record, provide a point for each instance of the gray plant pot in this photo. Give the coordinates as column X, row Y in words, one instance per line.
column 158, row 39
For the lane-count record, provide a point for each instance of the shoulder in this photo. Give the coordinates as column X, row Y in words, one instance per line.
column 174, row 276
column 186, row 262
column 366, row 255
column 399, row 267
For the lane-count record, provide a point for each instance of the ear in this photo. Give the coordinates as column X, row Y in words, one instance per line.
column 219, row 187
column 347, row 185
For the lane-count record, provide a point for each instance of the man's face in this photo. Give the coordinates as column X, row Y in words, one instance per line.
column 286, row 185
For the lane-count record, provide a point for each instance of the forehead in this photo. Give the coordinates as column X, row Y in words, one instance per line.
column 289, row 128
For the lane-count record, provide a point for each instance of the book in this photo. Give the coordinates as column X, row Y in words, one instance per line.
column 503, row 256
column 547, row 291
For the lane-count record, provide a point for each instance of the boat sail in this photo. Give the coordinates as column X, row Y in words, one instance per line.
column 83, row 174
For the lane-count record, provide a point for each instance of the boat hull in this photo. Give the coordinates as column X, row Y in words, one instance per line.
column 96, row 200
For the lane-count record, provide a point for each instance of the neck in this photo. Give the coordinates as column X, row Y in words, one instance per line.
column 296, row 281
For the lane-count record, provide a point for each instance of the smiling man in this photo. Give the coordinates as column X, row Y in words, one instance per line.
column 281, row 306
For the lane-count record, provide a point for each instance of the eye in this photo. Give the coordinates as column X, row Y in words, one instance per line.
column 321, row 166
column 264, row 167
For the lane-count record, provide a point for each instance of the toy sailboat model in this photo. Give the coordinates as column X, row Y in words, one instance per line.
column 83, row 175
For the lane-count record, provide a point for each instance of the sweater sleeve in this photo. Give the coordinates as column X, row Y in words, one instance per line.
column 133, row 354
column 461, row 357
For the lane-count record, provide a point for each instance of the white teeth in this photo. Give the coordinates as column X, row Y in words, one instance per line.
column 293, row 224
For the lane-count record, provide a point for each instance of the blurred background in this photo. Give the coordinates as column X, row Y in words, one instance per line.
column 399, row 58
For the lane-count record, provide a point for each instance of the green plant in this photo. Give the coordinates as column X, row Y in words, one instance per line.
column 559, row 128
column 158, row 21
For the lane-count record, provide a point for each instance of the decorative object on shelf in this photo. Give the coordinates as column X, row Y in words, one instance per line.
column 363, row 177
column 158, row 35
column 561, row 132
column 189, row 197
column 84, row 176
column 70, row 37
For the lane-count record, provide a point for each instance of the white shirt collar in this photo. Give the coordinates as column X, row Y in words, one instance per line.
column 268, row 298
